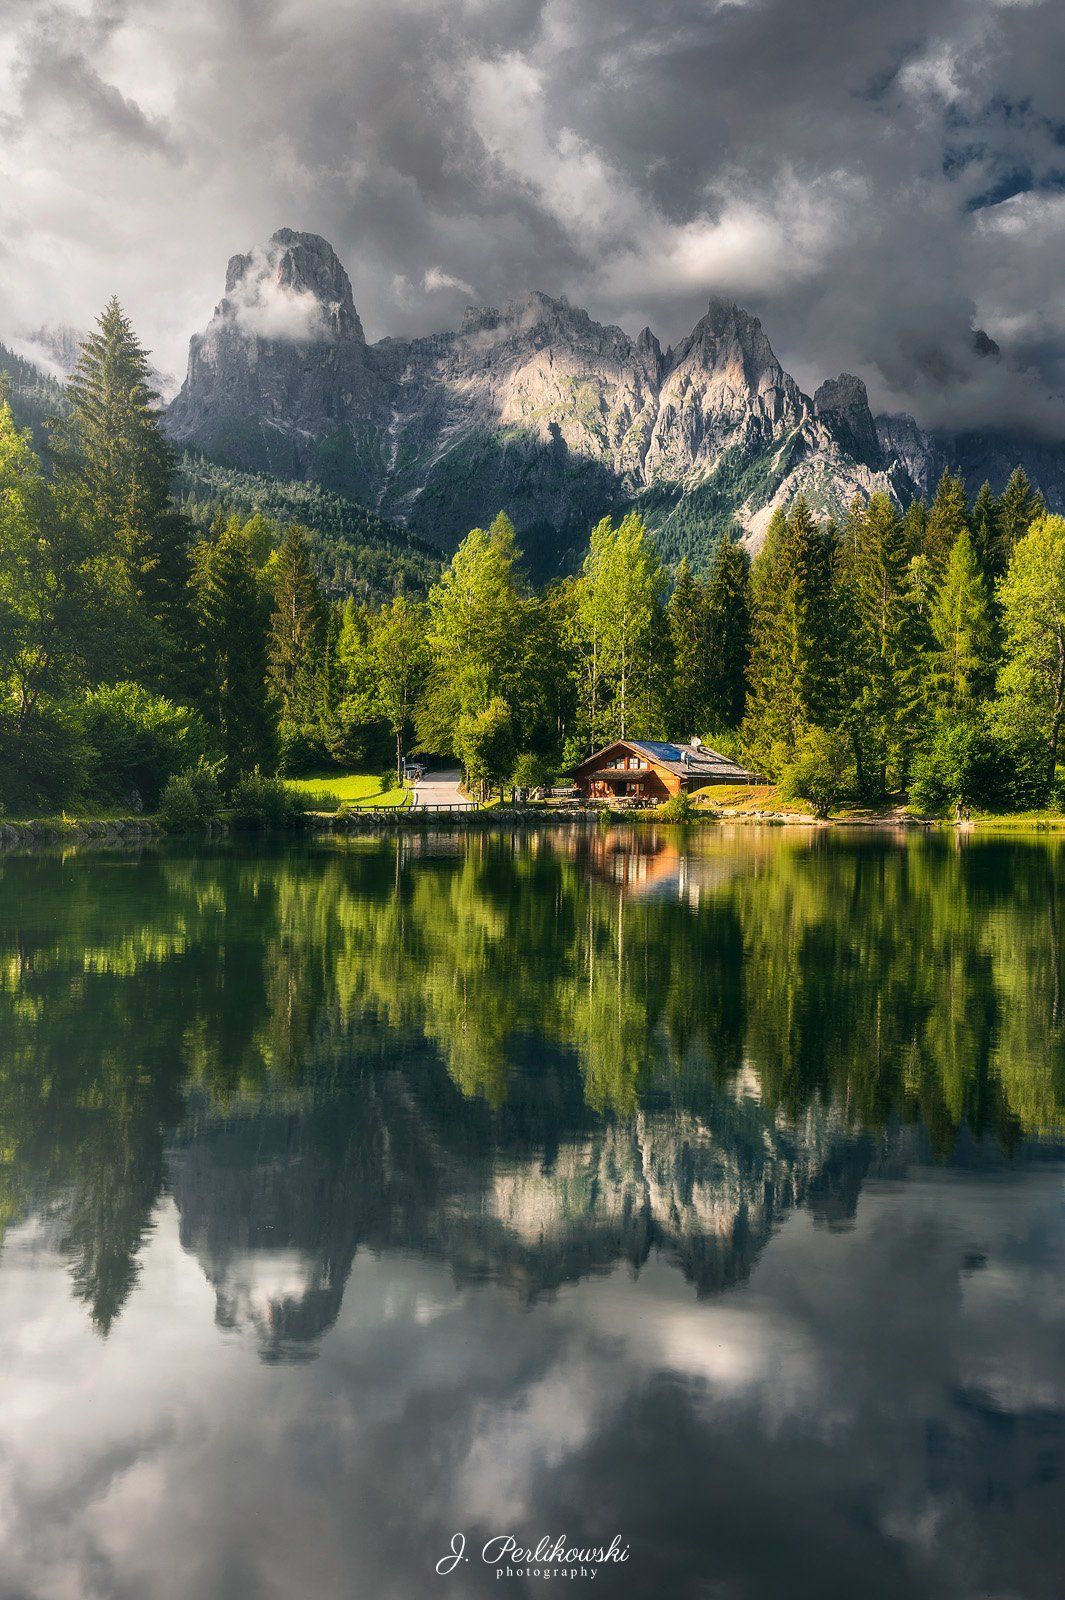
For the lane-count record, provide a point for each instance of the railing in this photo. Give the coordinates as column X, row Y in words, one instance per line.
column 443, row 805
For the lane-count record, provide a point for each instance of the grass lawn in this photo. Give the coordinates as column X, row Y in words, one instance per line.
column 749, row 797
column 353, row 788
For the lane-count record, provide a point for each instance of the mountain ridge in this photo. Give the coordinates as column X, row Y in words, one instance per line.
column 533, row 407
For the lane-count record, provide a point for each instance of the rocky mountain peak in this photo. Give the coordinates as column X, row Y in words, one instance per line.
column 843, row 404
column 284, row 357
column 535, row 408
column 294, row 287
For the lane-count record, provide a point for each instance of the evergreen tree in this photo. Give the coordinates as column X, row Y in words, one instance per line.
column 985, row 530
column 231, row 637
column 686, row 620
column 792, row 652
column 296, row 648
column 1019, row 507
column 884, row 647
column 948, row 516
column 962, row 631
column 114, row 470
column 728, row 635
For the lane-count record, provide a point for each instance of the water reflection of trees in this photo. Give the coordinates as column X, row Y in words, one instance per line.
column 629, row 1031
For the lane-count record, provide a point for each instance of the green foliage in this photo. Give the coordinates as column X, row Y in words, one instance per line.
column 136, row 740
column 230, row 636
column 400, row 660
column 948, row 519
column 354, row 552
column 113, row 472
column 484, row 743
column 792, row 658
column 191, row 800
column 962, row 629
column 960, row 766
column 43, row 757
column 882, row 641
column 1031, row 684
column 616, row 631
column 1018, row 508
column 531, row 771
column 678, row 808
column 728, row 635
column 820, row 771
column 259, row 801
column 482, row 636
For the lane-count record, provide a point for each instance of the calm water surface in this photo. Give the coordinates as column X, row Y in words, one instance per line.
column 704, row 1193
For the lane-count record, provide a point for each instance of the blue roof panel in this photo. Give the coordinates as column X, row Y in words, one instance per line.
column 664, row 752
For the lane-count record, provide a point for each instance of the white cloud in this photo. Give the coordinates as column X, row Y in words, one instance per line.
column 269, row 309
column 436, row 278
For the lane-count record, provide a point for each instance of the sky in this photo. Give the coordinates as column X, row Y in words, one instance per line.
column 875, row 181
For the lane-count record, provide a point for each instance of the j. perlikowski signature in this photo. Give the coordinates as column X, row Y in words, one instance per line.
column 548, row 1558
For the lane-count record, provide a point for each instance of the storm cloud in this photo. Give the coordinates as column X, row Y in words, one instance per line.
column 876, row 182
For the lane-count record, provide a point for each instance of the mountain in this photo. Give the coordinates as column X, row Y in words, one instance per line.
column 56, row 348
column 534, row 408
column 34, row 395
column 545, row 413
column 355, row 551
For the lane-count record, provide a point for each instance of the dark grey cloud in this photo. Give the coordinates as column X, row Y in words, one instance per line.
column 874, row 181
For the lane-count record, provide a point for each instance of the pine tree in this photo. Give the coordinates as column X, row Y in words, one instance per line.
column 686, row 620
column 985, row 530
column 948, row 516
column 231, row 638
column 114, row 470
column 728, row 635
column 792, row 653
column 1019, row 506
column 297, row 637
column 963, row 631
column 885, row 646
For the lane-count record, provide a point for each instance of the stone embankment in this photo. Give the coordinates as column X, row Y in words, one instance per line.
column 71, row 830
column 422, row 819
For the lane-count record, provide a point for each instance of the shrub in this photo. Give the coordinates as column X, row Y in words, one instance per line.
column 137, row 740
column 190, row 800
column 960, row 765
column 318, row 799
column 820, row 771
column 261, row 802
column 42, row 756
column 678, row 808
column 300, row 748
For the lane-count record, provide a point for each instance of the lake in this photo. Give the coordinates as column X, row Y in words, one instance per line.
column 367, row 1203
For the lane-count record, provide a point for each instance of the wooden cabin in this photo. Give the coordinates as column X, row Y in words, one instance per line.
column 650, row 770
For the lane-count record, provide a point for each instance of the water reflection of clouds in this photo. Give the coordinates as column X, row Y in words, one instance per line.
column 168, row 1461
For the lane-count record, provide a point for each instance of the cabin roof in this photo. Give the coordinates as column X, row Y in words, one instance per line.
column 682, row 759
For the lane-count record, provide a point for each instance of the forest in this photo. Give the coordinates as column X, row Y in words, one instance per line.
column 159, row 627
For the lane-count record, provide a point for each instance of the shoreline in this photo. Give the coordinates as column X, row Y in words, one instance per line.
column 117, row 831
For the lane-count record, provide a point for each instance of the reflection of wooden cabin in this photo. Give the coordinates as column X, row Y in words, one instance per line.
column 647, row 769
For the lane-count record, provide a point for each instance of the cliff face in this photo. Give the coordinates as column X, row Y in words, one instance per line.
column 535, row 409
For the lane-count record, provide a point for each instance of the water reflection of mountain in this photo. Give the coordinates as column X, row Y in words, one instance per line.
column 274, row 1200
